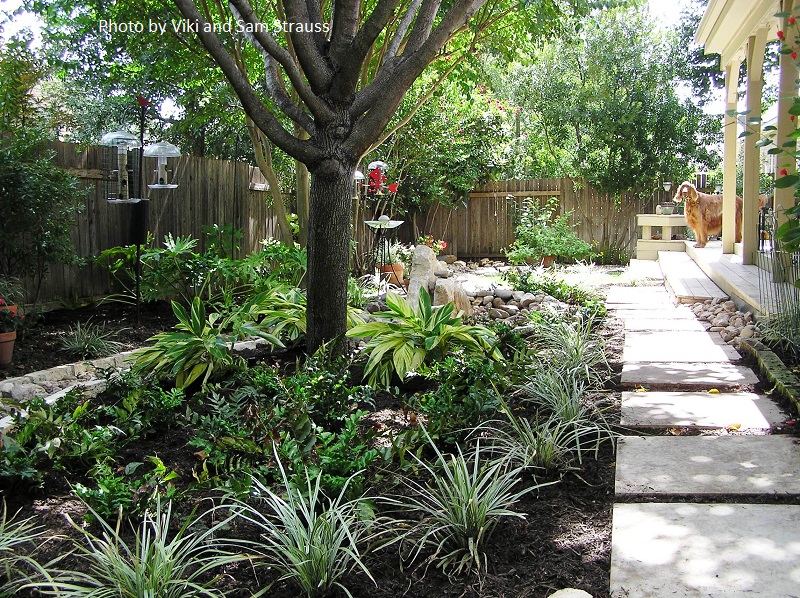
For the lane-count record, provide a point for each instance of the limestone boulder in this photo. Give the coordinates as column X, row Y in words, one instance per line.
column 423, row 267
column 448, row 290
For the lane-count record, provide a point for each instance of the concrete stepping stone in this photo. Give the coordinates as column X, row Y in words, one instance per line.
column 699, row 410
column 672, row 346
column 698, row 550
column 705, row 375
column 654, row 324
column 637, row 295
column 708, row 465
column 665, row 313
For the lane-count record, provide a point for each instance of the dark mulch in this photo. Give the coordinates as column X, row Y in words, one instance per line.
column 563, row 541
column 38, row 347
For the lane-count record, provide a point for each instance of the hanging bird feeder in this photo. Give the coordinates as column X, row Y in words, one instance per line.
column 162, row 150
column 120, row 167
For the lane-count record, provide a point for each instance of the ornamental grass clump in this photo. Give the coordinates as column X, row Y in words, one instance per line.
column 89, row 340
column 460, row 506
column 155, row 565
column 314, row 542
column 18, row 540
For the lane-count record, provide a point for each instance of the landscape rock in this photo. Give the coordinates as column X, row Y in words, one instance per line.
column 570, row 593
column 444, row 292
column 449, row 259
column 460, row 264
column 26, row 392
column 487, row 300
column 504, row 294
column 498, row 302
column 423, row 266
column 443, row 273
column 527, row 299
column 512, row 310
column 517, row 295
column 498, row 314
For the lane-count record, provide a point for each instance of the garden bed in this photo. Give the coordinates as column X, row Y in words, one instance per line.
column 143, row 438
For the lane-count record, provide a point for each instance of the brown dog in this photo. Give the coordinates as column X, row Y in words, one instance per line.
column 704, row 212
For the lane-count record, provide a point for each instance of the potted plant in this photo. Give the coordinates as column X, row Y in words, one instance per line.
column 437, row 245
column 11, row 293
column 9, row 323
column 392, row 270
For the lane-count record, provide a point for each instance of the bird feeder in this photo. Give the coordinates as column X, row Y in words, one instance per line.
column 120, row 167
column 162, row 151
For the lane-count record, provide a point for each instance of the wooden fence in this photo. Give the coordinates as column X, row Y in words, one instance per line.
column 210, row 191
column 485, row 225
column 222, row 191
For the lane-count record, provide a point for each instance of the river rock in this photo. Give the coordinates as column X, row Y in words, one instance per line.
column 504, row 294
column 449, row 259
column 498, row 302
column 498, row 314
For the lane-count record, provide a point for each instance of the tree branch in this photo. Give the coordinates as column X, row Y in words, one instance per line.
column 282, row 99
column 317, row 69
column 402, row 29
column 345, row 25
column 266, row 44
column 423, row 24
column 264, row 119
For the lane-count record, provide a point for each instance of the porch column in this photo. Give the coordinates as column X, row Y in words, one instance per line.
column 756, row 45
column 784, row 198
column 730, row 155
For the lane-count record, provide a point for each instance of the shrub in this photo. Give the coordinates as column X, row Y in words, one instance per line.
column 539, row 232
column 403, row 339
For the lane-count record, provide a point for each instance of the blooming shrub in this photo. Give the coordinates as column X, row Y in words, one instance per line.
column 438, row 245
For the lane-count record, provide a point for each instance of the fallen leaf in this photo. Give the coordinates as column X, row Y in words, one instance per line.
column 674, row 431
column 201, row 455
column 713, row 391
column 734, row 427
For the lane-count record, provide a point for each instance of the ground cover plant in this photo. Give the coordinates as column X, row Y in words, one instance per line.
column 414, row 482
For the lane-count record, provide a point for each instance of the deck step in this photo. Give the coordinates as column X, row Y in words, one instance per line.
column 685, row 280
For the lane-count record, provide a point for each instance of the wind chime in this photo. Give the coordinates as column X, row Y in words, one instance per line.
column 123, row 176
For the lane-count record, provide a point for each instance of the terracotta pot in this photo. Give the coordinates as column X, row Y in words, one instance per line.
column 7, row 347
column 12, row 308
column 393, row 273
column 548, row 260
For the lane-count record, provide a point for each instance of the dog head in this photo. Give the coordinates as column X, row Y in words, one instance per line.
column 686, row 192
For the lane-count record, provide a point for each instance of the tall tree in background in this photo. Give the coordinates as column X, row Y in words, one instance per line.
column 345, row 87
column 626, row 125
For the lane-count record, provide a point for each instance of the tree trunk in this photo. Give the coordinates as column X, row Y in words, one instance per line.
column 329, row 233
column 302, row 191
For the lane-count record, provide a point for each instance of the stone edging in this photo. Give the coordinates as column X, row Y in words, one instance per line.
column 785, row 383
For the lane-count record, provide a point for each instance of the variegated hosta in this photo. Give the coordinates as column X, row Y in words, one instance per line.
column 403, row 338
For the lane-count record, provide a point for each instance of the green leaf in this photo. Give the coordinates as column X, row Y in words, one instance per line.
column 788, row 180
column 774, row 150
column 794, row 109
column 745, row 134
column 770, row 128
column 763, row 142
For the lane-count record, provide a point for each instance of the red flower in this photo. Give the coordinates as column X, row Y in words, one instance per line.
column 2, row 301
column 794, row 54
column 783, row 172
column 780, row 34
column 791, row 20
column 393, row 188
column 444, row 244
column 791, row 117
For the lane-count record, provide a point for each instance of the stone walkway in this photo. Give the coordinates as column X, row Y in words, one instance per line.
column 696, row 476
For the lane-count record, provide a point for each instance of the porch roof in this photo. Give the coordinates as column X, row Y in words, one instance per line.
column 727, row 24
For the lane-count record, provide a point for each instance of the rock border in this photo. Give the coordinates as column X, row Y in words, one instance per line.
column 785, row 383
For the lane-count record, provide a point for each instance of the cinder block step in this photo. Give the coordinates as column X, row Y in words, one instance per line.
column 722, row 376
column 748, row 411
column 708, row 465
column 669, row 346
column 684, row 550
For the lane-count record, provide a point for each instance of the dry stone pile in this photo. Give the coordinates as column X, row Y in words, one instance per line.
column 722, row 316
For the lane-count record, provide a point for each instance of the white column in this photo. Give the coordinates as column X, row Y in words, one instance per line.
column 730, row 155
column 752, row 156
column 784, row 198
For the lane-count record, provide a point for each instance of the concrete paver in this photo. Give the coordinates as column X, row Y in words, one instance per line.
column 672, row 346
column 700, row 550
column 666, row 313
column 699, row 410
column 708, row 465
column 705, row 375
column 639, row 295
column 654, row 324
